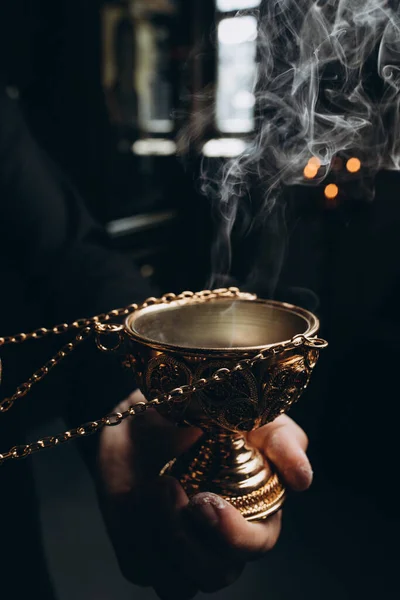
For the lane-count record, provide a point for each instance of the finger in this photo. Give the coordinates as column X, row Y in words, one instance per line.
column 135, row 452
column 130, row 460
column 285, row 443
column 141, row 526
column 222, row 524
column 210, row 567
column 180, row 546
column 170, row 579
column 165, row 439
column 131, row 537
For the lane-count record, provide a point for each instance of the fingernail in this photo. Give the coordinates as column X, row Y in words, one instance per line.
column 207, row 507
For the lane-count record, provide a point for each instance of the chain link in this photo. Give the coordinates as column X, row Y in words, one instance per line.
column 177, row 394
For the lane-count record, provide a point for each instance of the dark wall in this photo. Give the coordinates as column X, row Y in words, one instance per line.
column 51, row 55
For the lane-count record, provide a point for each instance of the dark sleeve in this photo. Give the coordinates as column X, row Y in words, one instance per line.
column 65, row 260
column 61, row 253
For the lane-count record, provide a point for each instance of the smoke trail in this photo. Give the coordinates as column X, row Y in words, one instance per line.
column 328, row 82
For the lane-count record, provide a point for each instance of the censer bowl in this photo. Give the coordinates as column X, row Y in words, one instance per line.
column 179, row 343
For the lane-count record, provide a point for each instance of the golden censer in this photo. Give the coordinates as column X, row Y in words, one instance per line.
column 224, row 361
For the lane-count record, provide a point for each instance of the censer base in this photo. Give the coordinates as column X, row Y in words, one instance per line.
column 226, row 465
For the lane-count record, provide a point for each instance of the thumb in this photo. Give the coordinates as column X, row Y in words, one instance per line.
column 221, row 521
column 134, row 452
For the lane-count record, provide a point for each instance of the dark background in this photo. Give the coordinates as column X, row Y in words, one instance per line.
column 340, row 539
column 54, row 55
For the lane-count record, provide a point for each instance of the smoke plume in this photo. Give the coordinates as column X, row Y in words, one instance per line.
column 328, row 82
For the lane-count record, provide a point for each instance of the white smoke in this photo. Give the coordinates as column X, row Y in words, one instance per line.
column 328, row 82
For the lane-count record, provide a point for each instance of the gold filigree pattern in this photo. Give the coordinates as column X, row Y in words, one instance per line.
column 238, row 404
column 233, row 404
column 164, row 373
column 261, row 503
column 283, row 386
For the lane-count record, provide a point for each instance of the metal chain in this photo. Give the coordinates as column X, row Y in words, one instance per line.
column 25, row 450
column 23, row 389
column 100, row 323
column 121, row 312
column 113, row 419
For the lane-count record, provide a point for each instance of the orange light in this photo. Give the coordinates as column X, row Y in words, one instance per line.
column 315, row 162
column 310, row 171
column 331, row 191
column 353, row 165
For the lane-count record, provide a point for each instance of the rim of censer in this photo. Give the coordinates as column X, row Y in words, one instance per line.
column 310, row 319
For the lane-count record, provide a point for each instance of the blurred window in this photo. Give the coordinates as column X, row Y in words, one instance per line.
column 236, row 42
column 237, row 38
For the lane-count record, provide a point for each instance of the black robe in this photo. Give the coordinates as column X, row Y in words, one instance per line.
column 56, row 265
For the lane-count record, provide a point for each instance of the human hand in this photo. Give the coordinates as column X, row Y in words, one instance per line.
column 162, row 539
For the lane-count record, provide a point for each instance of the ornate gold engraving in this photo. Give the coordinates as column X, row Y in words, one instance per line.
column 283, row 386
column 233, row 404
column 220, row 388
